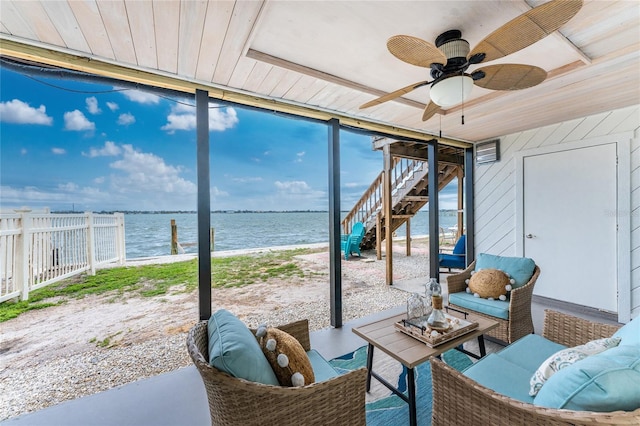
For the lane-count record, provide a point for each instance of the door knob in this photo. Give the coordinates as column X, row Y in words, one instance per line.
column 529, row 236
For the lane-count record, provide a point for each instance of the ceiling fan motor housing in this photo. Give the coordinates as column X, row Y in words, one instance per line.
column 455, row 49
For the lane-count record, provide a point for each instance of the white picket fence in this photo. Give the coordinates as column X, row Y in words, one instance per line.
column 37, row 249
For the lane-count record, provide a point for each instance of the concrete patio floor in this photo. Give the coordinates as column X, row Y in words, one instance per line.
column 178, row 398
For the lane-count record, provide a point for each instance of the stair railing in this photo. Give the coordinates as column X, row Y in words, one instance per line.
column 367, row 208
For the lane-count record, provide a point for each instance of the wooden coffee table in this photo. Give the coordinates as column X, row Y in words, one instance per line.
column 411, row 352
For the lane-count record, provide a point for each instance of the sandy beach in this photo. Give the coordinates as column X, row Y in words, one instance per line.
column 54, row 354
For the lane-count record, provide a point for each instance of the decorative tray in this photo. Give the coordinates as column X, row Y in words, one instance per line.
column 418, row 329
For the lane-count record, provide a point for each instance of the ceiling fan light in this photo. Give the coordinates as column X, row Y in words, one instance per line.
column 451, row 91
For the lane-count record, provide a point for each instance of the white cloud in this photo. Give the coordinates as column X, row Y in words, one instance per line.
column 141, row 97
column 183, row 117
column 112, row 106
column 148, row 173
column 292, row 194
column 109, row 149
column 19, row 112
column 92, row 105
column 215, row 192
column 299, row 157
column 220, row 120
column 62, row 196
column 293, row 187
column 68, row 187
column 247, row 179
column 75, row 120
column 126, row 119
column 139, row 181
column 58, row 151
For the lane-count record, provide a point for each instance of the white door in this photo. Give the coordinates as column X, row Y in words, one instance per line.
column 569, row 224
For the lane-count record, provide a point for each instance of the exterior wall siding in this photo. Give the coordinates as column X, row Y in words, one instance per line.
column 495, row 183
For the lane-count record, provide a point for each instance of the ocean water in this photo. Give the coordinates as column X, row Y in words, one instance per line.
column 149, row 234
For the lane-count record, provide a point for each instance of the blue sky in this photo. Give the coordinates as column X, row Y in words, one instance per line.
column 93, row 147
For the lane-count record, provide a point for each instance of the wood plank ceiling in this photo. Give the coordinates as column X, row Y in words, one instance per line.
column 332, row 55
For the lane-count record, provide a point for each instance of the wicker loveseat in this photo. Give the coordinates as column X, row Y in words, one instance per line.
column 518, row 323
column 459, row 400
column 233, row 401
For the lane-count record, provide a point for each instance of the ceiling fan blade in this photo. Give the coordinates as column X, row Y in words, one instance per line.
column 510, row 76
column 527, row 29
column 393, row 95
column 430, row 111
column 415, row 51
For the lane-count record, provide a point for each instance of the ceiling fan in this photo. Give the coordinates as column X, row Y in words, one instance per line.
column 450, row 57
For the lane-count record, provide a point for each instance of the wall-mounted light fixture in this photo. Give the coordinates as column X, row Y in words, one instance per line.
column 488, row 152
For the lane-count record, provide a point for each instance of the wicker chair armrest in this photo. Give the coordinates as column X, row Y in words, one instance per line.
column 571, row 331
column 234, row 401
column 459, row 400
column 520, row 308
column 455, row 283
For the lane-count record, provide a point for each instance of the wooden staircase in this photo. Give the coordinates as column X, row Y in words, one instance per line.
column 409, row 193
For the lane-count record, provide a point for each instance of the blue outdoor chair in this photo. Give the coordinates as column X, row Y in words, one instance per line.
column 351, row 243
column 457, row 259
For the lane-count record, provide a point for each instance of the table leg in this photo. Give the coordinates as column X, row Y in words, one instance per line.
column 369, row 365
column 483, row 351
column 411, row 387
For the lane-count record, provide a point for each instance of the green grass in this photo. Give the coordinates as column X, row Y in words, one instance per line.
column 162, row 279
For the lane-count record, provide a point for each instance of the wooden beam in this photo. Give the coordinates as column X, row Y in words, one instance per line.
column 415, row 198
column 63, row 58
column 380, row 142
column 388, row 213
column 554, row 73
column 408, row 238
column 311, row 72
column 421, row 155
column 379, row 236
column 460, row 202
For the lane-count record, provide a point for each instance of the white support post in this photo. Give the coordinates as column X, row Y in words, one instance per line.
column 91, row 255
column 22, row 254
column 120, row 243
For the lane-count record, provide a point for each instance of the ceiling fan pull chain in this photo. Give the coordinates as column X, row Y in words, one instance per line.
column 462, row 97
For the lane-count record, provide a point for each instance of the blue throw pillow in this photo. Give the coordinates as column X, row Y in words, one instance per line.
column 518, row 268
column 629, row 333
column 235, row 350
column 604, row 382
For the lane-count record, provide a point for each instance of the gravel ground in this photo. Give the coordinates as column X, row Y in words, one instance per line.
column 50, row 356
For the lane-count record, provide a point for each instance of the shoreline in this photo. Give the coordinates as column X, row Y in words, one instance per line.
column 162, row 259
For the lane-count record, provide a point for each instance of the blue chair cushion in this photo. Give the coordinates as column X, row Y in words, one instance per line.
column 518, row 268
column 452, row 261
column 322, row 370
column 629, row 334
column 604, row 382
column 530, row 351
column 502, row 376
column 494, row 308
column 235, row 350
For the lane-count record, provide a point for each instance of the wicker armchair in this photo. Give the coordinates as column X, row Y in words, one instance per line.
column 519, row 323
column 458, row 400
column 233, row 401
